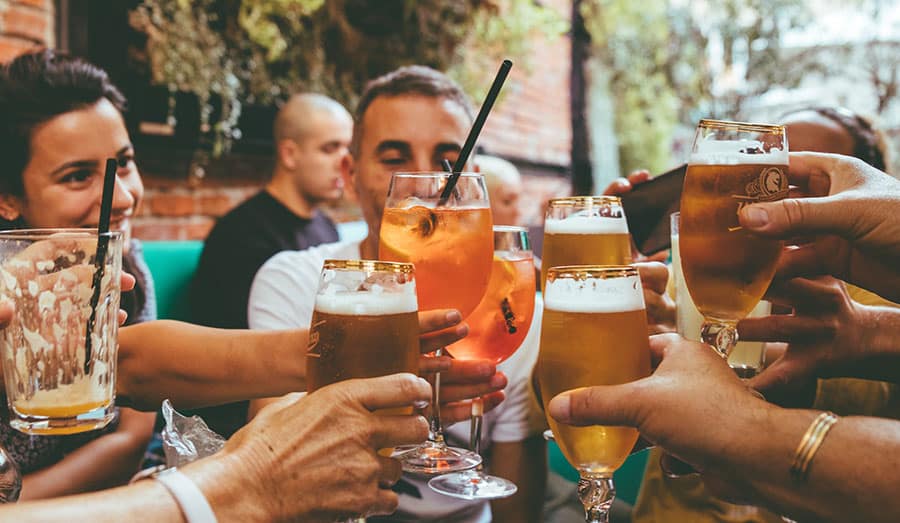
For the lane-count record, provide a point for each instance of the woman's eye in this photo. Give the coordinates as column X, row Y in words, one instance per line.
column 80, row 176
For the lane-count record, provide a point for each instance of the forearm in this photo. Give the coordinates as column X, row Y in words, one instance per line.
column 146, row 500
column 853, row 476
column 199, row 366
column 105, row 462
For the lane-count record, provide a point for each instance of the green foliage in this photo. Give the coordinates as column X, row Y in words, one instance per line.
column 658, row 54
column 260, row 51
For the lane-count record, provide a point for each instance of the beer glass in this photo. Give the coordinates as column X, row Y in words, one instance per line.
column 594, row 332
column 450, row 244
column 497, row 328
column 365, row 324
column 585, row 230
column 59, row 351
column 748, row 357
column 727, row 269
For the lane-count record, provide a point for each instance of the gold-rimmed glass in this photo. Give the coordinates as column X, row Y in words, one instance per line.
column 726, row 268
column 594, row 332
column 585, row 230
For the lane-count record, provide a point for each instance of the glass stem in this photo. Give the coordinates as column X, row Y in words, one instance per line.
column 436, row 431
column 475, row 432
column 596, row 492
column 720, row 335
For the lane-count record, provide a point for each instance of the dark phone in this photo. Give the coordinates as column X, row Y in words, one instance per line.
column 647, row 209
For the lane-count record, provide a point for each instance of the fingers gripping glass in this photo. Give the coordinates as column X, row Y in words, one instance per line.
column 450, row 243
column 497, row 329
column 726, row 268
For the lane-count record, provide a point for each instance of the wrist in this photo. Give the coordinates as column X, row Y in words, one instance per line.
column 225, row 485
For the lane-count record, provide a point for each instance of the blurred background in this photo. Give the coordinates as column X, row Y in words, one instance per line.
column 600, row 87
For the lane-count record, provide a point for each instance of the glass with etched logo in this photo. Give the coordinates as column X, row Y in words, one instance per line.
column 726, row 268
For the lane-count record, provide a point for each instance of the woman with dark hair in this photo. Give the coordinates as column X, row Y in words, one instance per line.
column 62, row 117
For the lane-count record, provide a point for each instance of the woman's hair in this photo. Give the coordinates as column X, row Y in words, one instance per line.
column 35, row 88
column 869, row 144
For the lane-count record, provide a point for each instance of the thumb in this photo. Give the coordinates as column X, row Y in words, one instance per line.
column 598, row 405
column 795, row 217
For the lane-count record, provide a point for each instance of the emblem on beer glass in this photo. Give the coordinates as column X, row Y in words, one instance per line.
column 771, row 186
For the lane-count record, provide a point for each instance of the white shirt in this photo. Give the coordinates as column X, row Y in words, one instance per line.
column 283, row 297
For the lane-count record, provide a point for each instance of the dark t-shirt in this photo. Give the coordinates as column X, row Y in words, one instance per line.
column 238, row 245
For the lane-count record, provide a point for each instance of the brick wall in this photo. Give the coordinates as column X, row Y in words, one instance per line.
column 530, row 126
column 24, row 25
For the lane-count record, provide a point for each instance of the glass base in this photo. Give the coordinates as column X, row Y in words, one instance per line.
column 432, row 458
column 47, row 426
column 472, row 484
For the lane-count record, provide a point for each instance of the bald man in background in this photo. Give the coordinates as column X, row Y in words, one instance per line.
column 312, row 134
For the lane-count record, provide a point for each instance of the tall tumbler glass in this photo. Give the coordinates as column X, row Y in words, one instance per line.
column 594, row 332
column 451, row 245
column 59, row 351
column 726, row 268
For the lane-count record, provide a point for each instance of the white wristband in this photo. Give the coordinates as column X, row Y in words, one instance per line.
column 190, row 499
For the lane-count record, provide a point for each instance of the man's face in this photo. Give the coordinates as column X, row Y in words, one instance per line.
column 319, row 155
column 406, row 133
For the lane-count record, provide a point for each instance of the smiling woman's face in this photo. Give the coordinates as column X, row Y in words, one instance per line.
column 63, row 180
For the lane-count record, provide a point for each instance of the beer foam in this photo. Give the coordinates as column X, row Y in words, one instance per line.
column 586, row 225
column 350, row 303
column 594, row 295
column 722, row 152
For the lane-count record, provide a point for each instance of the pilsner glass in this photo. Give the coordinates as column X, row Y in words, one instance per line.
column 450, row 244
column 594, row 332
column 585, row 230
column 496, row 330
column 748, row 357
column 727, row 269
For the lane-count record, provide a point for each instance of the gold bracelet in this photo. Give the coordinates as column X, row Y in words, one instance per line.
column 810, row 444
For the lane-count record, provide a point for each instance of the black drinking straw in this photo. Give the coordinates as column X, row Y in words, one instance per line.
column 475, row 131
column 447, row 167
column 109, row 183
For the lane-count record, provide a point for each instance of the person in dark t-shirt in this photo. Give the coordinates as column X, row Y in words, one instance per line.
column 312, row 134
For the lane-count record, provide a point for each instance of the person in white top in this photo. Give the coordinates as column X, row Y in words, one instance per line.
column 410, row 120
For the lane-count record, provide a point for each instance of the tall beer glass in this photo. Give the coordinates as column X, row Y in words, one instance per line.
column 585, row 230
column 496, row 330
column 727, row 269
column 451, row 245
column 594, row 332
column 365, row 324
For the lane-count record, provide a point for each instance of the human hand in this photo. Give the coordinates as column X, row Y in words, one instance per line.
column 461, row 380
column 849, row 209
column 621, row 186
column 660, row 307
column 828, row 335
column 691, row 386
column 315, row 458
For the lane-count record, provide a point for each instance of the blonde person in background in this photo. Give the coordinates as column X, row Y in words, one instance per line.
column 817, row 129
column 504, row 185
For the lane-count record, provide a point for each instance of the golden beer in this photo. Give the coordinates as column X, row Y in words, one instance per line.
column 585, row 230
column 727, row 269
column 451, row 249
column 594, row 332
column 365, row 323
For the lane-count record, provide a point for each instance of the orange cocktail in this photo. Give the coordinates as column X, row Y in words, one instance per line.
column 450, row 245
column 499, row 324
